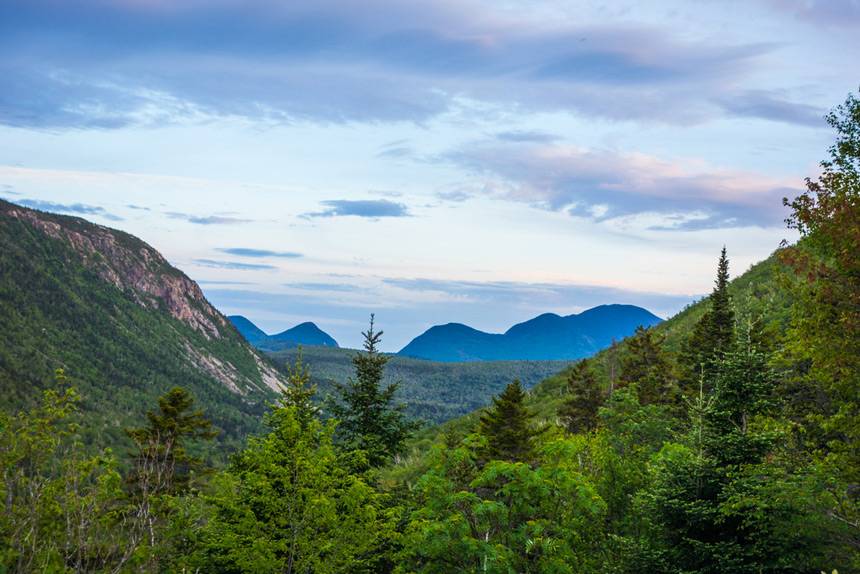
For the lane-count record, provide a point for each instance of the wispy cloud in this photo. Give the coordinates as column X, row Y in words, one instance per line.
column 527, row 136
column 339, row 287
column 68, row 208
column 370, row 208
column 233, row 265
column 335, row 61
column 208, row 220
column 245, row 252
column 607, row 184
column 821, row 12
column 771, row 105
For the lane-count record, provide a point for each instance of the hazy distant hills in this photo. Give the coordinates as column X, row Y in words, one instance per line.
column 304, row 334
column 548, row 337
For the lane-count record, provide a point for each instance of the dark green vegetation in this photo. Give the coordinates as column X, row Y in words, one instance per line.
column 124, row 326
column 723, row 441
column 544, row 338
column 431, row 391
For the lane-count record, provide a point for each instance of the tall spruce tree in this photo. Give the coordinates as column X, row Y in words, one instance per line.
column 713, row 336
column 369, row 420
column 297, row 394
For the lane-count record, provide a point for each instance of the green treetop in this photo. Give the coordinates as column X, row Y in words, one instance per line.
column 579, row 412
column 507, row 425
column 369, row 420
column 162, row 463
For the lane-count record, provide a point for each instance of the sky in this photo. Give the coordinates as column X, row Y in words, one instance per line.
column 468, row 161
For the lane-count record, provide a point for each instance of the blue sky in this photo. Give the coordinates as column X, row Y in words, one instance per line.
column 429, row 162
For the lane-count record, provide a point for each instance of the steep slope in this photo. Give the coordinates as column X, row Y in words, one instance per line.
column 545, row 338
column 123, row 324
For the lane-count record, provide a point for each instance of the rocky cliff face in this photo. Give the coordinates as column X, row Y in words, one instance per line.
column 141, row 270
column 134, row 267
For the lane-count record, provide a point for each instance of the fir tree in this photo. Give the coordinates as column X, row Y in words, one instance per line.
column 507, row 426
column 579, row 411
column 713, row 336
column 162, row 465
column 368, row 419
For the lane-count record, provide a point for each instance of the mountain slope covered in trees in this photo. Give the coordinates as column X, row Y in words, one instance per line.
column 432, row 390
column 123, row 324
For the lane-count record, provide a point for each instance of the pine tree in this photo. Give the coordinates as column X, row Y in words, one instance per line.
column 368, row 419
column 507, row 425
column 579, row 412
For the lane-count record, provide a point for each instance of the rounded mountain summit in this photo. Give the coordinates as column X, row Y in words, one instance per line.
column 547, row 337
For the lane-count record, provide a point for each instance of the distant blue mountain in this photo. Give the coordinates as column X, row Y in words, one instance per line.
column 250, row 331
column 304, row 334
column 547, row 337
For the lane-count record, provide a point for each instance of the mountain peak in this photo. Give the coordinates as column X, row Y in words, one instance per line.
column 546, row 337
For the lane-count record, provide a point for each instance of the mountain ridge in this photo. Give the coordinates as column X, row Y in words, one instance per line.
column 546, row 337
column 123, row 324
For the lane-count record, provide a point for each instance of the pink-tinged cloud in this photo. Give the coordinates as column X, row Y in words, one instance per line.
column 606, row 184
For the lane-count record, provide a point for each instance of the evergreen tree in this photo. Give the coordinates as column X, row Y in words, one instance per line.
column 368, row 419
column 162, row 472
column 507, row 426
column 297, row 395
column 162, row 464
column 649, row 367
column 287, row 504
column 579, row 412
column 713, row 335
column 722, row 501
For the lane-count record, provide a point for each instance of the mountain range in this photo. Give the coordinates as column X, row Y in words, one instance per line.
column 548, row 337
column 304, row 334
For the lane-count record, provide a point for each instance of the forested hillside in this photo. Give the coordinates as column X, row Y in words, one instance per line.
column 432, row 391
column 124, row 326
